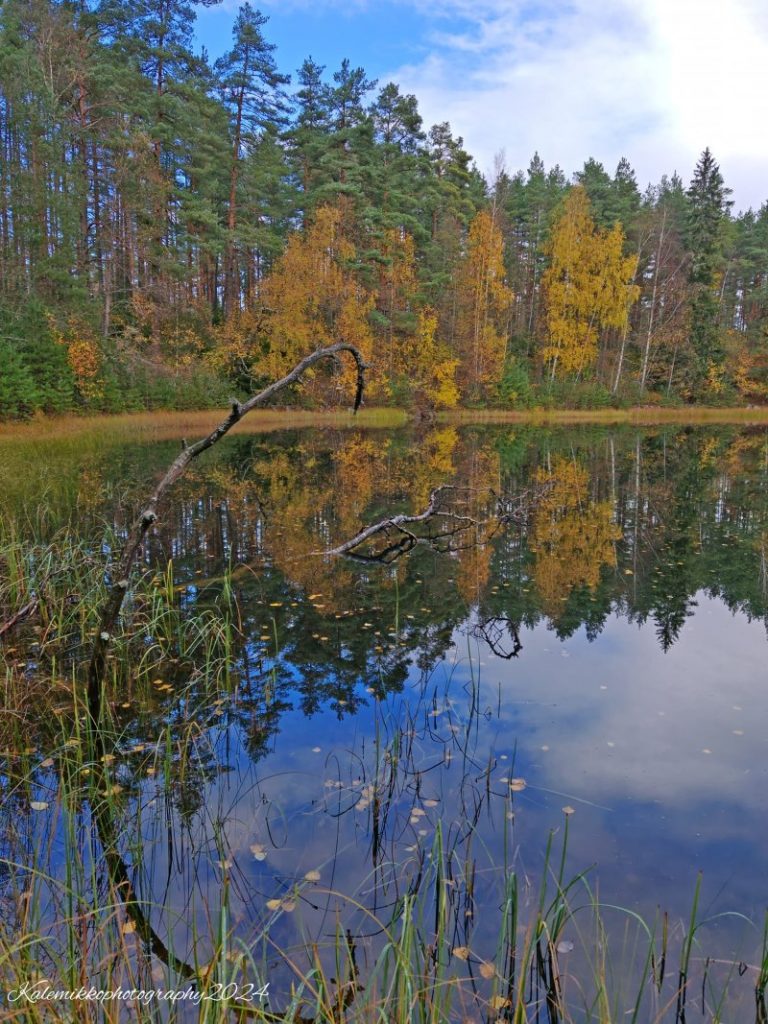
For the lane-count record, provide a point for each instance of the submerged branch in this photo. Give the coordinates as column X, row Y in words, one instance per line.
column 507, row 510
column 397, row 522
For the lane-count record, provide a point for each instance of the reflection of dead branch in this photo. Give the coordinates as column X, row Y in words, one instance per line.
column 494, row 631
column 401, row 538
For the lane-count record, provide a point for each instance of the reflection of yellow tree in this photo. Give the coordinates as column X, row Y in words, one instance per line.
column 572, row 537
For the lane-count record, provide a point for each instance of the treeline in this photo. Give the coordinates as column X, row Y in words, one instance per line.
column 173, row 231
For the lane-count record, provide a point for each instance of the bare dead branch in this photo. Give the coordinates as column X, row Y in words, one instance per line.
column 393, row 522
column 507, row 510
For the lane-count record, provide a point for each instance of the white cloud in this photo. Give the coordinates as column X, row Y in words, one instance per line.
column 603, row 78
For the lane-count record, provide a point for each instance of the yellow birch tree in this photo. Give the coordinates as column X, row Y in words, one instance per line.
column 587, row 285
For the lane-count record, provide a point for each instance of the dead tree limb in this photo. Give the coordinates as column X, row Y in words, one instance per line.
column 507, row 510
column 148, row 515
column 398, row 522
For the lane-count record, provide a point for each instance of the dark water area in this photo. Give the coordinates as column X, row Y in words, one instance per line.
column 599, row 659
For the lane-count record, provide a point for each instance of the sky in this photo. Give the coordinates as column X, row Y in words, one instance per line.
column 655, row 82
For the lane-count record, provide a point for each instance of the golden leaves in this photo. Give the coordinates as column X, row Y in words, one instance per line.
column 588, row 286
column 483, row 305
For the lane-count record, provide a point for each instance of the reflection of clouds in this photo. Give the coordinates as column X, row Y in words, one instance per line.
column 650, row 810
column 624, row 720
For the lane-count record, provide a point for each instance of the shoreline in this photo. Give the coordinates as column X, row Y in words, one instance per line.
column 168, row 424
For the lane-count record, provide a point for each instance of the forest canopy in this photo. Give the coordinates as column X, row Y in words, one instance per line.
column 175, row 231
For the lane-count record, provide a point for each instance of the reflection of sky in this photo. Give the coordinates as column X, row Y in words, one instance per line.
column 615, row 728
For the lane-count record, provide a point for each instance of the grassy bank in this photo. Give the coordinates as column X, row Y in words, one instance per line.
column 164, row 425
column 641, row 415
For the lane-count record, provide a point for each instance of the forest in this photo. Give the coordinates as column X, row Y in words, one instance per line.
column 175, row 231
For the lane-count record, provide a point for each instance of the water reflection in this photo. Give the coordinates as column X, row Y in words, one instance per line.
column 607, row 647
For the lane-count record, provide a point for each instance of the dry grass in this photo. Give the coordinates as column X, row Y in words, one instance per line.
column 163, row 425
column 640, row 415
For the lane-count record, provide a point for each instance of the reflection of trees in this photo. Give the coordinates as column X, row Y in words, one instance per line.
column 572, row 538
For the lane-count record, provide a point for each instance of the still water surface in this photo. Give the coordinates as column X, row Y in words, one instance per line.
column 603, row 653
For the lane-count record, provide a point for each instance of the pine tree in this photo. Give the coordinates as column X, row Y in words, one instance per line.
column 707, row 219
column 251, row 90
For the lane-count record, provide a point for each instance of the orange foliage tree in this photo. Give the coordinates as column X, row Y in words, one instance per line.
column 483, row 308
column 312, row 298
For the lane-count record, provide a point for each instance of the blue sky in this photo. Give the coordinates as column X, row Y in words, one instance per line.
column 655, row 82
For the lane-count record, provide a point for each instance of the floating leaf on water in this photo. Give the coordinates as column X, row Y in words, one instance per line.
column 565, row 946
column 47, row 763
column 568, row 810
column 259, row 851
column 39, row 805
column 461, row 952
column 312, row 876
column 517, row 785
column 487, row 971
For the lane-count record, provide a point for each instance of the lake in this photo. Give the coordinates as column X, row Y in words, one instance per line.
column 573, row 654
